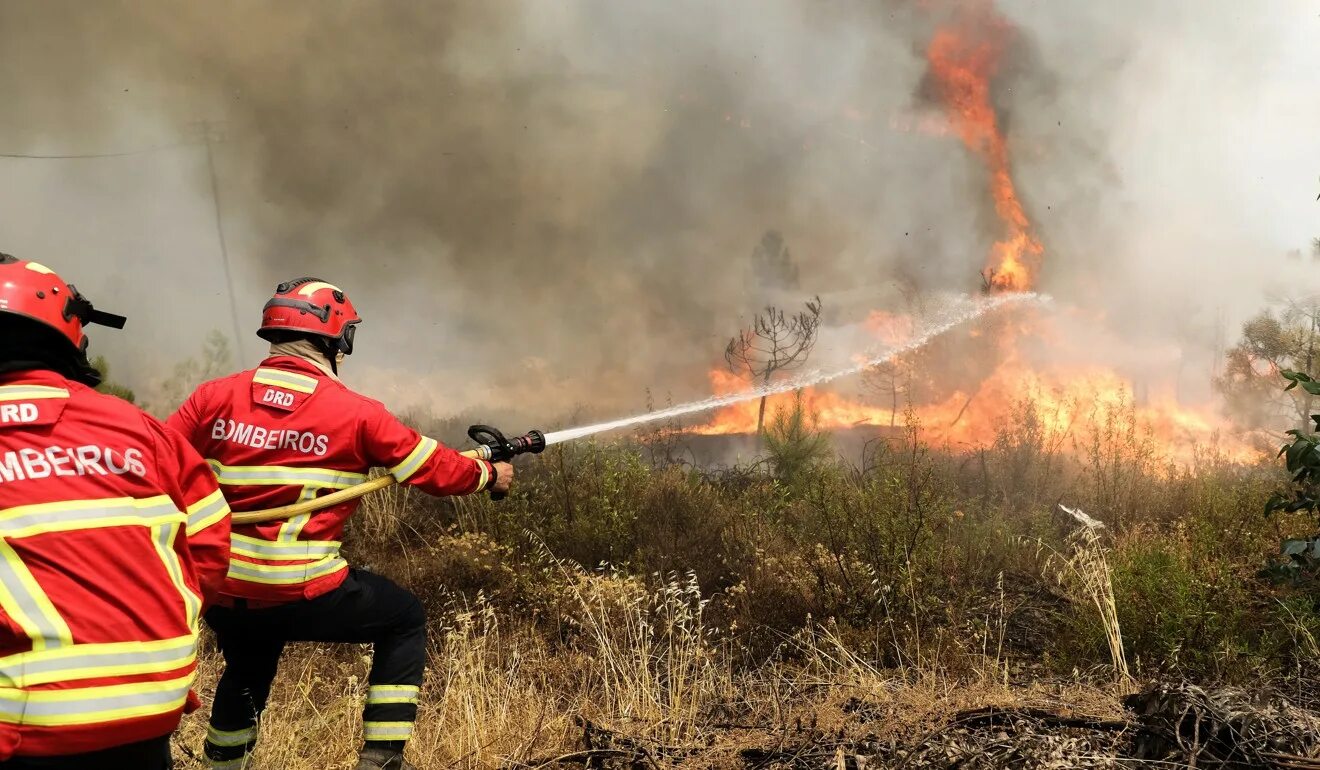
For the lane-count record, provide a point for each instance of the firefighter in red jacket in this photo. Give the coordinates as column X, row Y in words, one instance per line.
column 113, row 536
column 288, row 431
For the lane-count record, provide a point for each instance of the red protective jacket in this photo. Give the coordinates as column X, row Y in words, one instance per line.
column 286, row 432
column 113, row 534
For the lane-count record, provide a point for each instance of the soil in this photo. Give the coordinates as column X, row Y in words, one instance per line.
column 1163, row 726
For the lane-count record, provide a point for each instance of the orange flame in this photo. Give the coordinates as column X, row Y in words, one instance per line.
column 963, row 58
column 1071, row 406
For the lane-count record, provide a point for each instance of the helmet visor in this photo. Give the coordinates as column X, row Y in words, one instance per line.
column 346, row 341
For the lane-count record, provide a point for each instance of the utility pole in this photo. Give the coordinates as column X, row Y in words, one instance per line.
column 213, row 133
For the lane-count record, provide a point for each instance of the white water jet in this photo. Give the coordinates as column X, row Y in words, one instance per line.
column 963, row 310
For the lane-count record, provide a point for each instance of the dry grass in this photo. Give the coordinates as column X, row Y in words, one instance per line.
column 867, row 605
column 501, row 693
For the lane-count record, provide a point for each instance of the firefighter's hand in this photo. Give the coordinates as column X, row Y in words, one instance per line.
column 503, row 477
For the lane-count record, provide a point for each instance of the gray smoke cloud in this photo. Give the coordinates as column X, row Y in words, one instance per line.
column 556, row 203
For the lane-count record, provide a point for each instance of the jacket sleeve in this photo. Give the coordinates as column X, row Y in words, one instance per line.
column 417, row 460
column 187, row 419
column 192, row 485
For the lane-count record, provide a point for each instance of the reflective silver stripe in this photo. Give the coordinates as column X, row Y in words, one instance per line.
column 30, row 392
column 387, row 731
column 164, row 539
column 212, row 509
column 23, row 599
column 290, row 380
column 393, row 693
column 256, row 548
column 88, row 705
column 284, row 476
column 27, row 520
column 415, row 459
column 284, row 574
column 485, row 475
column 231, row 737
column 228, row 764
column 88, row 661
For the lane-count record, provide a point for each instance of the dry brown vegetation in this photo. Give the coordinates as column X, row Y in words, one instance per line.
column 622, row 608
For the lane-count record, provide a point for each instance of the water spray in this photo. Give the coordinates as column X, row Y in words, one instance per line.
column 493, row 446
column 942, row 323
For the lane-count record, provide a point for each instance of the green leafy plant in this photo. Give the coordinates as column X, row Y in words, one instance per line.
column 1300, row 556
column 1302, row 458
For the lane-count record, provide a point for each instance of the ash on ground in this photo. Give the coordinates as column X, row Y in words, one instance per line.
column 1164, row 726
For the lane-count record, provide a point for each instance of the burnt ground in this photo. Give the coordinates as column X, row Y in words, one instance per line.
column 1163, row 726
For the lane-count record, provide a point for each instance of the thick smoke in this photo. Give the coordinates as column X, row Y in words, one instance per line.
column 556, row 203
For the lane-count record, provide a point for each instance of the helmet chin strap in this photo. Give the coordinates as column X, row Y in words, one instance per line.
column 326, row 347
column 333, row 355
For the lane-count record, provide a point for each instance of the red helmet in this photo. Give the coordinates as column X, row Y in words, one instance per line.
column 34, row 291
column 310, row 306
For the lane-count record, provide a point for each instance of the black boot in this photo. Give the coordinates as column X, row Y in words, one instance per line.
column 383, row 759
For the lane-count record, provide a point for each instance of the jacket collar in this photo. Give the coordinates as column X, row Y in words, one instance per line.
column 305, row 350
column 37, row 377
column 295, row 364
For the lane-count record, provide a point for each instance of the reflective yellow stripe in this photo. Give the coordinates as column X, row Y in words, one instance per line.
column 28, row 520
column 293, row 527
column 206, row 512
column 290, row 380
column 231, row 737
column 485, row 475
column 387, row 731
column 392, row 693
column 25, row 602
column 282, row 550
column 163, row 538
column 418, row 457
column 284, row 574
column 89, row 661
column 88, row 705
column 30, row 392
column 283, row 476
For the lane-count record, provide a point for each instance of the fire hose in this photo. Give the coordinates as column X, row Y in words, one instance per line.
column 492, row 446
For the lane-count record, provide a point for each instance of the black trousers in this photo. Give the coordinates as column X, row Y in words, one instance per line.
column 367, row 608
column 153, row 754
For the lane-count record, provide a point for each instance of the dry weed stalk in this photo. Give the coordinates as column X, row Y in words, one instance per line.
column 488, row 699
column 382, row 514
column 655, row 664
column 1084, row 569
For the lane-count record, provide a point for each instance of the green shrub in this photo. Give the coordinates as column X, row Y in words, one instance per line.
column 919, row 556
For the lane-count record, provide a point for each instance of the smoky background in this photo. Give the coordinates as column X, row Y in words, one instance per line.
column 553, row 205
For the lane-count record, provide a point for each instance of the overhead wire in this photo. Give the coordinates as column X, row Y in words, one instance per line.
column 215, row 193
column 94, row 155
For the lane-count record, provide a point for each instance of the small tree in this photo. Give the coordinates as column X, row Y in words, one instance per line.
column 1273, row 343
column 892, row 378
column 793, row 442
column 214, row 361
column 109, row 386
column 775, row 342
column 773, row 263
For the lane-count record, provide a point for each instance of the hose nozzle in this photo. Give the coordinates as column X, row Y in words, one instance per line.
column 493, row 446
